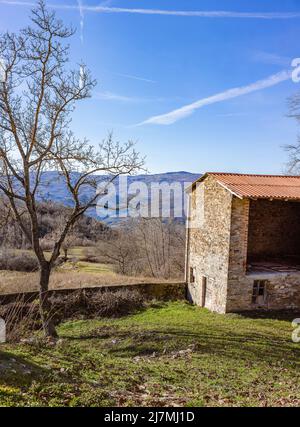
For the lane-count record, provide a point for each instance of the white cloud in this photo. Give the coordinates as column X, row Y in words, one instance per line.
column 270, row 58
column 195, row 13
column 187, row 110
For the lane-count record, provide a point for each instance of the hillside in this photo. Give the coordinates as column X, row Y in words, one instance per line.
column 54, row 189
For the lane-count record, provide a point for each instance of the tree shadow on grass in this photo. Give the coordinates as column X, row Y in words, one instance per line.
column 16, row 371
column 249, row 345
column 287, row 315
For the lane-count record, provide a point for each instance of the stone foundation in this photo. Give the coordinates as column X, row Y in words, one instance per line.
column 282, row 292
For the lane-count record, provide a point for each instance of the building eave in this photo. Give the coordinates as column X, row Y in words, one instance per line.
column 230, row 191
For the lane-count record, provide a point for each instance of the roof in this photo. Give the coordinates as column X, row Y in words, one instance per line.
column 258, row 186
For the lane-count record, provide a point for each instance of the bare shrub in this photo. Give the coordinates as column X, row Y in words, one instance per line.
column 24, row 262
column 90, row 255
column 47, row 244
column 18, row 262
column 116, row 304
column 21, row 318
column 100, row 304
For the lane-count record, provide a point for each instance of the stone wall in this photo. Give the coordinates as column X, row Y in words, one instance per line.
column 283, row 291
column 161, row 291
column 237, row 296
column 208, row 247
column 274, row 228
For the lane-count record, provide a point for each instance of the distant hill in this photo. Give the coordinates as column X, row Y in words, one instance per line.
column 54, row 189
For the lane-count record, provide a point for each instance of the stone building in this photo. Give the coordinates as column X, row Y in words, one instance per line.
column 243, row 242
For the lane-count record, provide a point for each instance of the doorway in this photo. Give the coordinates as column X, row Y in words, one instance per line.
column 203, row 291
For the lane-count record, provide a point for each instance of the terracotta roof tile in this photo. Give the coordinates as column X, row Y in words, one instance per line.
column 260, row 186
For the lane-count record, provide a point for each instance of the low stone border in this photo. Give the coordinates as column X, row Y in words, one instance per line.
column 159, row 291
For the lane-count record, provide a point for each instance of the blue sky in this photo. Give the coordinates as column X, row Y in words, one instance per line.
column 149, row 65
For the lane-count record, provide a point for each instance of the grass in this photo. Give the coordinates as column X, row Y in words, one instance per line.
column 93, row 267
column 80, row 264
column 76, row 251
column 172, row 354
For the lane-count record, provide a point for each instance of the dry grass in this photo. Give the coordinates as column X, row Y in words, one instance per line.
column 14, row 282
column 71, row 275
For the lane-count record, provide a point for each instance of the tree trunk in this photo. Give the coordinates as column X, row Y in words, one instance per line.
column 66, row 254
column 45, row 306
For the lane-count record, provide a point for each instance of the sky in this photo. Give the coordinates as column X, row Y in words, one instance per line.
column 200, row 85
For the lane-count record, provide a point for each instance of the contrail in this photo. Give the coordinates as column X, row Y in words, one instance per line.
column 80, row 8
column 200, row 14
column 130, row 76
column 187, row 110
column 195, row 13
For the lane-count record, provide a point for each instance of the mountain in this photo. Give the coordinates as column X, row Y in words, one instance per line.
column 145, row 187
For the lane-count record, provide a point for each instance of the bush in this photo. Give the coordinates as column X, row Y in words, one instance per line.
column 20, row 262
column 85, row 303
column 22, row 317
column 90, row 256
column 47, row 244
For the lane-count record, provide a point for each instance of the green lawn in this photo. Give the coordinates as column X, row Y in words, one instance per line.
column 173, row 354
column 93, row 267
column 77, row 252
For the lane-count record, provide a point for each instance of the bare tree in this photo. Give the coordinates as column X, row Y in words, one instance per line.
column 5, row 213
column 146, row 246
column 118, row 251
column 51, row 238
column 161, row 245
column 37, row 96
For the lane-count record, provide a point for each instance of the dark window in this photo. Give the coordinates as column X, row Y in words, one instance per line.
column 259, row 292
